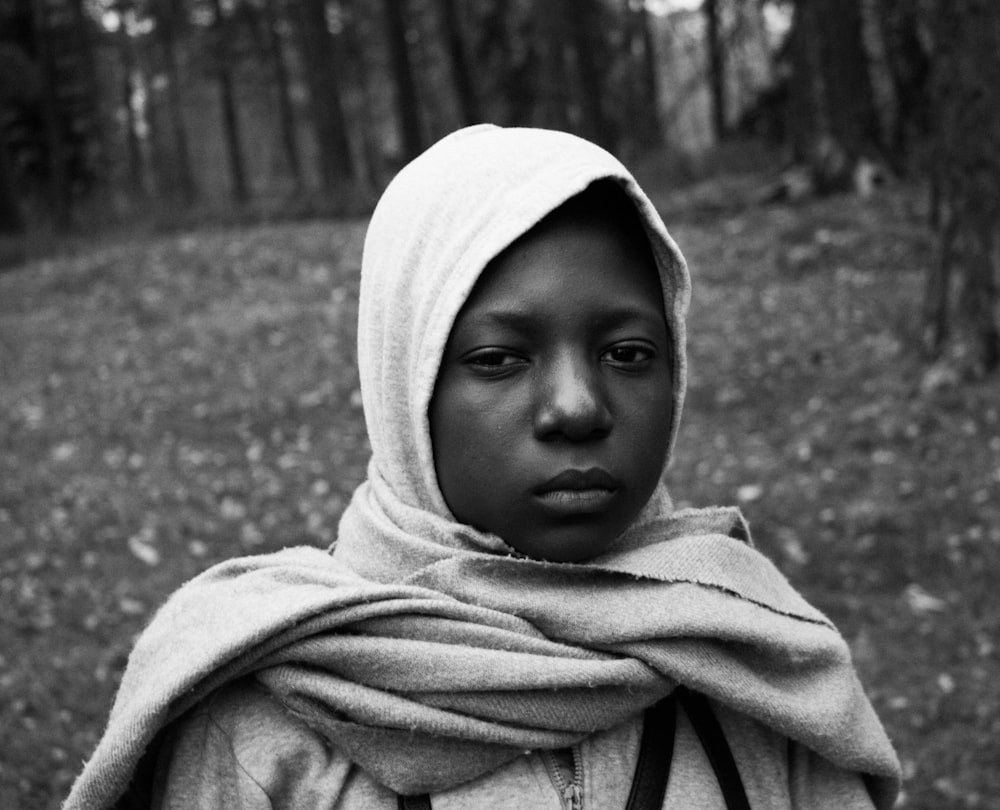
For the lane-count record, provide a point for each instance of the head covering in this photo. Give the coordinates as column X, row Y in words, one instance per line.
column 438, row 224
column 422, row 647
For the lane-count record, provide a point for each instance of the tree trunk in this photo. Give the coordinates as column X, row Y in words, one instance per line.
column 407, row 105
column 286, row 111
column 909, row 65
column 808, row 112
column 227, row 99
column 319, row 52
column 169, row 24
column 980, row 298
column 967, row 176
column 850, row 97
column 716, row 68
column 650, row 77
column 551, row 83
column 88, row 124
column 584, row 22
column 59, row 190
column 136, row 174
column 831, row 113
column 643, row 80
column 467, row 101
column 514, row 70
column 369, row 157
column 937, row 290
column 11, row 221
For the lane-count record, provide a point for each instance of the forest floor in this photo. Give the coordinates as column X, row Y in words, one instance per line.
column 172, row 402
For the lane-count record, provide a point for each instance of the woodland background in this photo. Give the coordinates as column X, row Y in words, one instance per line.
column 184, row 186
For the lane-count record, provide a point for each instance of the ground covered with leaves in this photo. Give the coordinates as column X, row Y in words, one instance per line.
column 169, row 403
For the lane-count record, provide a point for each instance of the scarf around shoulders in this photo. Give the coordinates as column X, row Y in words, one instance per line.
column 469, row 660
column 432, row 653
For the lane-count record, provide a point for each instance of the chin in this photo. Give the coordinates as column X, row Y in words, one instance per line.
column 571, row 549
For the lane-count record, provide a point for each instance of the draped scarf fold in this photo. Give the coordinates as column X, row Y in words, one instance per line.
column 472, row 659
column 432, row 653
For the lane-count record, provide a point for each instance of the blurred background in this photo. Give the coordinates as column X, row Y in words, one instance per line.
column 184, row 190
column 173, row 112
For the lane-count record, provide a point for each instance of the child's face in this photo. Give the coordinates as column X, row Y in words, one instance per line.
column 552, row 407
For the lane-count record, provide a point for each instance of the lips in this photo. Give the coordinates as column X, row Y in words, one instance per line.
column 578, row 492
column 579, row 480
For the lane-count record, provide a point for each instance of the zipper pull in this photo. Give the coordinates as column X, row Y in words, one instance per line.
column 574, row 795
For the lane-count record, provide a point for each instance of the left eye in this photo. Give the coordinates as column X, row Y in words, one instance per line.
column 628, row 354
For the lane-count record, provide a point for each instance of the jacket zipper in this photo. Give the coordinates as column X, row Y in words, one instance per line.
column 572, row 793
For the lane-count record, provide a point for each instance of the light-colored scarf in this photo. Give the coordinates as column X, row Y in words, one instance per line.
column 427, row 650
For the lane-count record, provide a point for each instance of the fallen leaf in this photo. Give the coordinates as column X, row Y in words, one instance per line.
column 142, row 546
column 64, row 451
column 921, row 602
column 131, row 606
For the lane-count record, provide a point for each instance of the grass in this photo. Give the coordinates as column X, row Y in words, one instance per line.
column 170, row 402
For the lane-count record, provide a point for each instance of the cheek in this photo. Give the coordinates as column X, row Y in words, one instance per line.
column 472, row 436
column 473, row 429
column 645, row 416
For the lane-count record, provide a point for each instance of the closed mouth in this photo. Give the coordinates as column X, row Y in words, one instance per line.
column 578, row 492
column 570, row 481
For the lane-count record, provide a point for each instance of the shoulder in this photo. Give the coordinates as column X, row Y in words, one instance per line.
column 241, row 748
column 771, row 766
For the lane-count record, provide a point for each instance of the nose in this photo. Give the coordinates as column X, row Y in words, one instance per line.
column 571, row 402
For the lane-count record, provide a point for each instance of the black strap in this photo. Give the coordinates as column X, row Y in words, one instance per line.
column 414, row 802
column 713, row 740
column 656, row 753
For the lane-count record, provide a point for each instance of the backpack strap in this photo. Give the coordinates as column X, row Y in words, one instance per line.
column 656, row 753
column 422, row 802
column 713, row 740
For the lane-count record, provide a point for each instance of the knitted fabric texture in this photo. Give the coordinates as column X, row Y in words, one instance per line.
column 428, row 651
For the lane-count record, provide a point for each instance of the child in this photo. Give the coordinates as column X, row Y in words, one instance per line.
column 513, row 615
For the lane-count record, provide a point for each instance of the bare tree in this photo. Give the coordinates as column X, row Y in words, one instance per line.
column 59, row 188
column 319, row 52
column 508, row 73
column 716, row 67
column 455, row 40
column 19, row 83
column 966, row 134
column 170, row 19
column 906, row 61
column 136, row 174
column 642, row 77
column 584, row 21
column 227, row 100
column 831, row 112
column 551, row 84
column 407, row 104
column 286, row 112
column 11, row 220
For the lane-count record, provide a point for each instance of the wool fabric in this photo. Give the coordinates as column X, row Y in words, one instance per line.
column 431, row 652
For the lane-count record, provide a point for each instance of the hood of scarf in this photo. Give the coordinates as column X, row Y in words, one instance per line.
column 438, row 224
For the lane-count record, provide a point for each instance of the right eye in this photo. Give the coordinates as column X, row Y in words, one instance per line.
column 493, row 360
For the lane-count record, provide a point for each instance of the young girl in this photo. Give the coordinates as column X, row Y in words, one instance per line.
column 513, row 615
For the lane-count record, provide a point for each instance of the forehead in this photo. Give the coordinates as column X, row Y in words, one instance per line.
column 571, row 259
